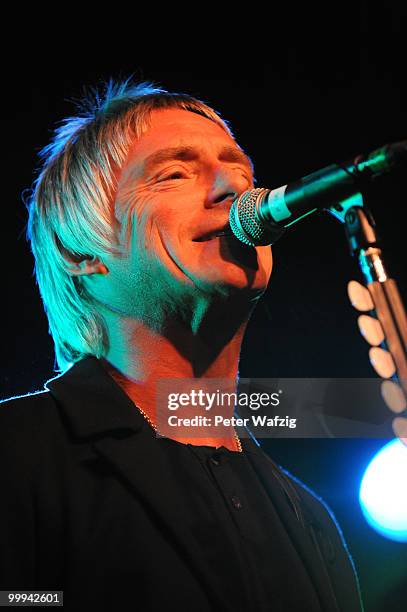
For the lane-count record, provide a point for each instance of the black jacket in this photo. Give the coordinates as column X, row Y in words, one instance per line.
column 86, row 507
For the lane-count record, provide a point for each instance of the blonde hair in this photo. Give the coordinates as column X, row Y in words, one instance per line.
column 71, row 207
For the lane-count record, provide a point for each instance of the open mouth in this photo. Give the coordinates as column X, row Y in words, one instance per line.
column 214, row 234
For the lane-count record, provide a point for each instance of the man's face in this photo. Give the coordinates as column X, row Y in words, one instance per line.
column 173, row 202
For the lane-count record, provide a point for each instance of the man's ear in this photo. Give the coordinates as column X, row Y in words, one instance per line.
column 84, row 265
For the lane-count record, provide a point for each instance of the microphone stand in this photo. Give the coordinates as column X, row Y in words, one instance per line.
column 363, row 243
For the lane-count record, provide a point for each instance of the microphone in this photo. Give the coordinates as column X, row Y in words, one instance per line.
column 260, row 216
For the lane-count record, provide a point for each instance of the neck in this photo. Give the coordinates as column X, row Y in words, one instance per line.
column 207, row 345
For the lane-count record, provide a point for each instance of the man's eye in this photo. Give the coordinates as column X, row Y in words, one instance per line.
column 173, row 175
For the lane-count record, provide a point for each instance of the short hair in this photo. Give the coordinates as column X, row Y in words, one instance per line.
column 71, row 205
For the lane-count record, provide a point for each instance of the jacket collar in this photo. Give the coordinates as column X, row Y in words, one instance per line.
column 92, row 402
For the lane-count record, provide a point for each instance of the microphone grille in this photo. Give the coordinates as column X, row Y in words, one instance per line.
column 243, row 219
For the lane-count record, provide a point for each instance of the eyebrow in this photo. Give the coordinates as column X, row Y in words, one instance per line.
column 227, row 154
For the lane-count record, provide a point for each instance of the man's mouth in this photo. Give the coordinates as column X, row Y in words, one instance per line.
column 214, row 234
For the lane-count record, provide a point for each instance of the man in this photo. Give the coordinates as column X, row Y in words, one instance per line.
column 142, row 281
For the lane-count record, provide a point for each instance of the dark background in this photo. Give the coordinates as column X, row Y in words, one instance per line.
column 296, row 104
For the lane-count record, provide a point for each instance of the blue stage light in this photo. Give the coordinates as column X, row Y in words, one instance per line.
column 383, row 491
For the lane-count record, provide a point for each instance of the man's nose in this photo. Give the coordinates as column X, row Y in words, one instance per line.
column 226, row 186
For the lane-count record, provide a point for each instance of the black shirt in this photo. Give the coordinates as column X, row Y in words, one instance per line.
column 238, row 531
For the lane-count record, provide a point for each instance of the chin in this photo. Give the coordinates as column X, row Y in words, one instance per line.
column 234, row 280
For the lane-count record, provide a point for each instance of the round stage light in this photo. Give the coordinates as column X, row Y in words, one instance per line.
column 383, row 492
